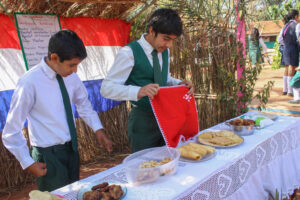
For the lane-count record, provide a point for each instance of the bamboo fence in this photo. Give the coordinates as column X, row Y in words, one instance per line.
column 199, row 56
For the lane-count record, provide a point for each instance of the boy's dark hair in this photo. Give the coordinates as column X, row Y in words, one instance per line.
column 165, row 21
column 254, row 35
column 286, row 19
column 293, row 13
column 67, row 45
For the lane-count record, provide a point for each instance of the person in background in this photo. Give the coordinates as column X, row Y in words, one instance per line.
column 139, row 70
column 44, row 96
column 281, row 49
column 289, row 35
column 255, row 41
column 295, row 81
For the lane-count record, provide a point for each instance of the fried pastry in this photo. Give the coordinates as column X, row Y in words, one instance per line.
column 92, row 195
column 207, row 135
column 207, row 148
column 115, row 191
column 221, row 141
column 224, row 133
column 186, row 153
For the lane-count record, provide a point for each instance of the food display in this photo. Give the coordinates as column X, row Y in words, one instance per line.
column 221, row 138
column 195, row 151
column 150, row 164
column 104, row 191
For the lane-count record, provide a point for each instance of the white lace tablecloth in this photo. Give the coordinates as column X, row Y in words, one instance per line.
column 267, row 160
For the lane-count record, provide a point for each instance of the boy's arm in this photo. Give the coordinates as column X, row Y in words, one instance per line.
column 12, row 136
column 90, row 116
column 113, row 86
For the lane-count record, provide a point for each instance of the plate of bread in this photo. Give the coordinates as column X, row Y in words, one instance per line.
column 220, row 139
column 195, row 152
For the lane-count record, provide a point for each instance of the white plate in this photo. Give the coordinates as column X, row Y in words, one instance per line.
column 89, row 186
column 204, row 158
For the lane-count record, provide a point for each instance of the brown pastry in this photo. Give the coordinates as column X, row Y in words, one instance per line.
column 106, row 196
column 104, row 189
column 242, row 122
column 115, row 191
column 92, row 195
column 99, row 186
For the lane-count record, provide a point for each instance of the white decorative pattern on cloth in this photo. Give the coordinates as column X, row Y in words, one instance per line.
column 228, row 182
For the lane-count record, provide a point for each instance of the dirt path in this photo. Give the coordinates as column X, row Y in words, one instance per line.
column 277, row 103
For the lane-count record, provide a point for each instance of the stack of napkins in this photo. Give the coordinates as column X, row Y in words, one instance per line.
column 260, row 120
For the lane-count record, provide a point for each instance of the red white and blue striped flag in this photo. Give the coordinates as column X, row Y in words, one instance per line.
column 102, row 38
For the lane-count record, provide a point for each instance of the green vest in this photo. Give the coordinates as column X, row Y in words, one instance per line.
column 142, row 73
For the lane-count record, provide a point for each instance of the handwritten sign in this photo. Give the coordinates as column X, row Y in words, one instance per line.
column 34, row 34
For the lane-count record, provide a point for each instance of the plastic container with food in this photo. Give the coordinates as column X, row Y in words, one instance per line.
column 149, row 164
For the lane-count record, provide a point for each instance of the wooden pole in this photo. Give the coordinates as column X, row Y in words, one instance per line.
column 240, row 36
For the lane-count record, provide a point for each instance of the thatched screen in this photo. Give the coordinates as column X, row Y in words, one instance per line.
column 202, row 57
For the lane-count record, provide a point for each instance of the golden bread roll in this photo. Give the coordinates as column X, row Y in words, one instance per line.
column 201, row 151
column 198, row 148
column 186, row 153
column 207, row 148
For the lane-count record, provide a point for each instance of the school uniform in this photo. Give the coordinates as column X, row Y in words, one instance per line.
column 39, row 99
column 291, row 44
column 134, row 68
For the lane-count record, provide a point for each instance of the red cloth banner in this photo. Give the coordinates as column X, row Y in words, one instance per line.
column 9, row 36
column 97, row 31
column 176, row 114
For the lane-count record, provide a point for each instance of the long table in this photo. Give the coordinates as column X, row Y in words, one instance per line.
column 265, row 162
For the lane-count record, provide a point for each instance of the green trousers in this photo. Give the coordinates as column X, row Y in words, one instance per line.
column 62, row 166
column 143, row 131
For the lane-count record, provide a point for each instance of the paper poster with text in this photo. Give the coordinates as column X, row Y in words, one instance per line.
column 34, row 31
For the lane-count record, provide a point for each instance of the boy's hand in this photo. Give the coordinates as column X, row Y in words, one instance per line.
column 103, row 140
column 149, row 90
column 38, row 169
column 188, row 84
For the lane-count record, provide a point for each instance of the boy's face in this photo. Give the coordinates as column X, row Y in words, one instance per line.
column 162, row 41
column 65, row 68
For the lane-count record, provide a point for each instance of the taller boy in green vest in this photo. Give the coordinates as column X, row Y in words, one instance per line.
column 43, row 96
column 139, row 70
